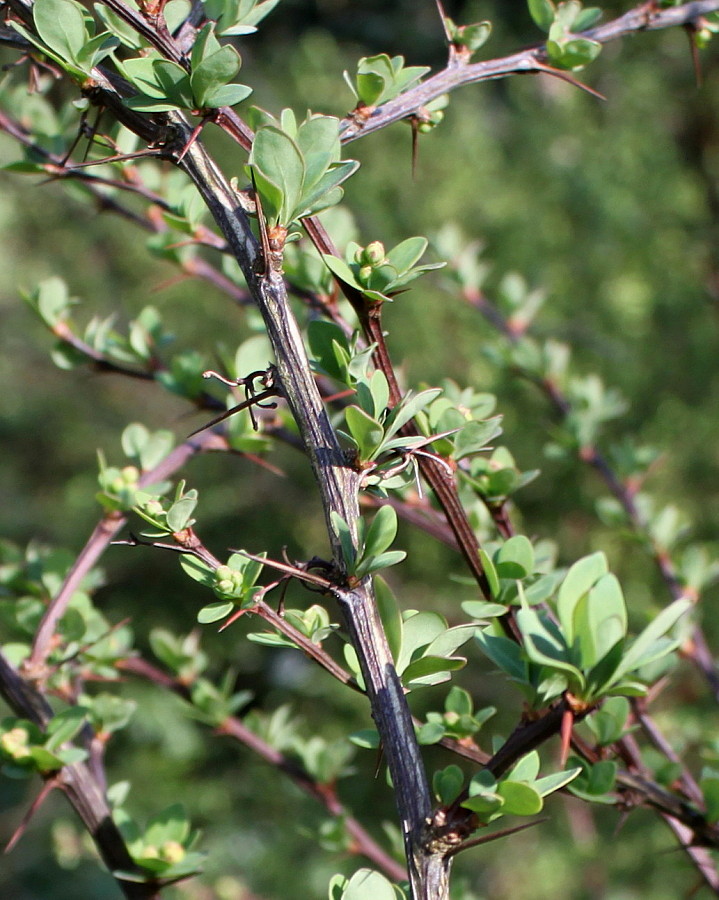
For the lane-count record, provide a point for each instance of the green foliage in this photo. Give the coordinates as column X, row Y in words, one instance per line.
column 313, row 622
column 583, row 647
column 163, row 85
column 234, row 583
column 25, row 749
column 458, row 721
column 377, row 274
column 364, row 885
column 163, row 847
column 564, row 21
column 381, row 78
column 296, row 168
column 520, row 793
column 237, row 17
column 467, row 38
column 371, row 552
column 595, row 782
column 65, row 38
column 572, row 626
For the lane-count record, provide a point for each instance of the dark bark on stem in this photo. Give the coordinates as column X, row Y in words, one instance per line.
column 339, row 486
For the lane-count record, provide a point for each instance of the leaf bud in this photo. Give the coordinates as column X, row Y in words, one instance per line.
column 374, row 253
column 172, row 852
column 14, row 743
column 130, row 475
column 154, row 508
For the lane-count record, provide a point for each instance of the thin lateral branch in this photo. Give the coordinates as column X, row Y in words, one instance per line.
column 102, row 535
column 57, row 168
column 533, row 60
column 697, row 651
column 363, row 843
column 689, row 786
column 315, row 652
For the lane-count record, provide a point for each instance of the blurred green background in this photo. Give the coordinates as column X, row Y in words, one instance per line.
column 610, row 207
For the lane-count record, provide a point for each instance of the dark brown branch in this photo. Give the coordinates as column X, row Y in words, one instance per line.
column 78, row 784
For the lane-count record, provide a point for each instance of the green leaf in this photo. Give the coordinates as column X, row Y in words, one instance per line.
column 179, row 515
column 483, row 796
column 447, row 783
column 368, row 738
column 213, row 72
column 227, row 95
column 595, row 782
column 169, row 825
column 61, row 25
column 64, row 726
column 490, row 572
column 198, row 570
column 408, row 408
column 175, row 13
column 587, row 18
column 366, row 431
column 44, row 760
column 407, row 253
column 450, row 639
column 573, row 54
column 709, row 785
column 382, row 561
column 52, row 301
column 323, row 337
column 459, row 701
column 326, row 192
column 382, row 531
column 272, row 196
column 527, row 768
column 96, row 49
column 520, row 799
column 600, row 620
column 418, row 631
column 427, row 666
column 639, row 652
column 474, row 36
column 608, row 723
column 543, row 643
column 319, row 143
column 579, row 579
column 515, row 558
column 390, row 614
column 474, row 436
column 503, row 653
column 277, row 158
column 551, row 783
column 204, row 45
column 175, row 83
column 542, row 11
column 430, row 733
column 213, row 612
column 341, row 270
column 481, row 609
column 344, row 534
column 368, row 885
